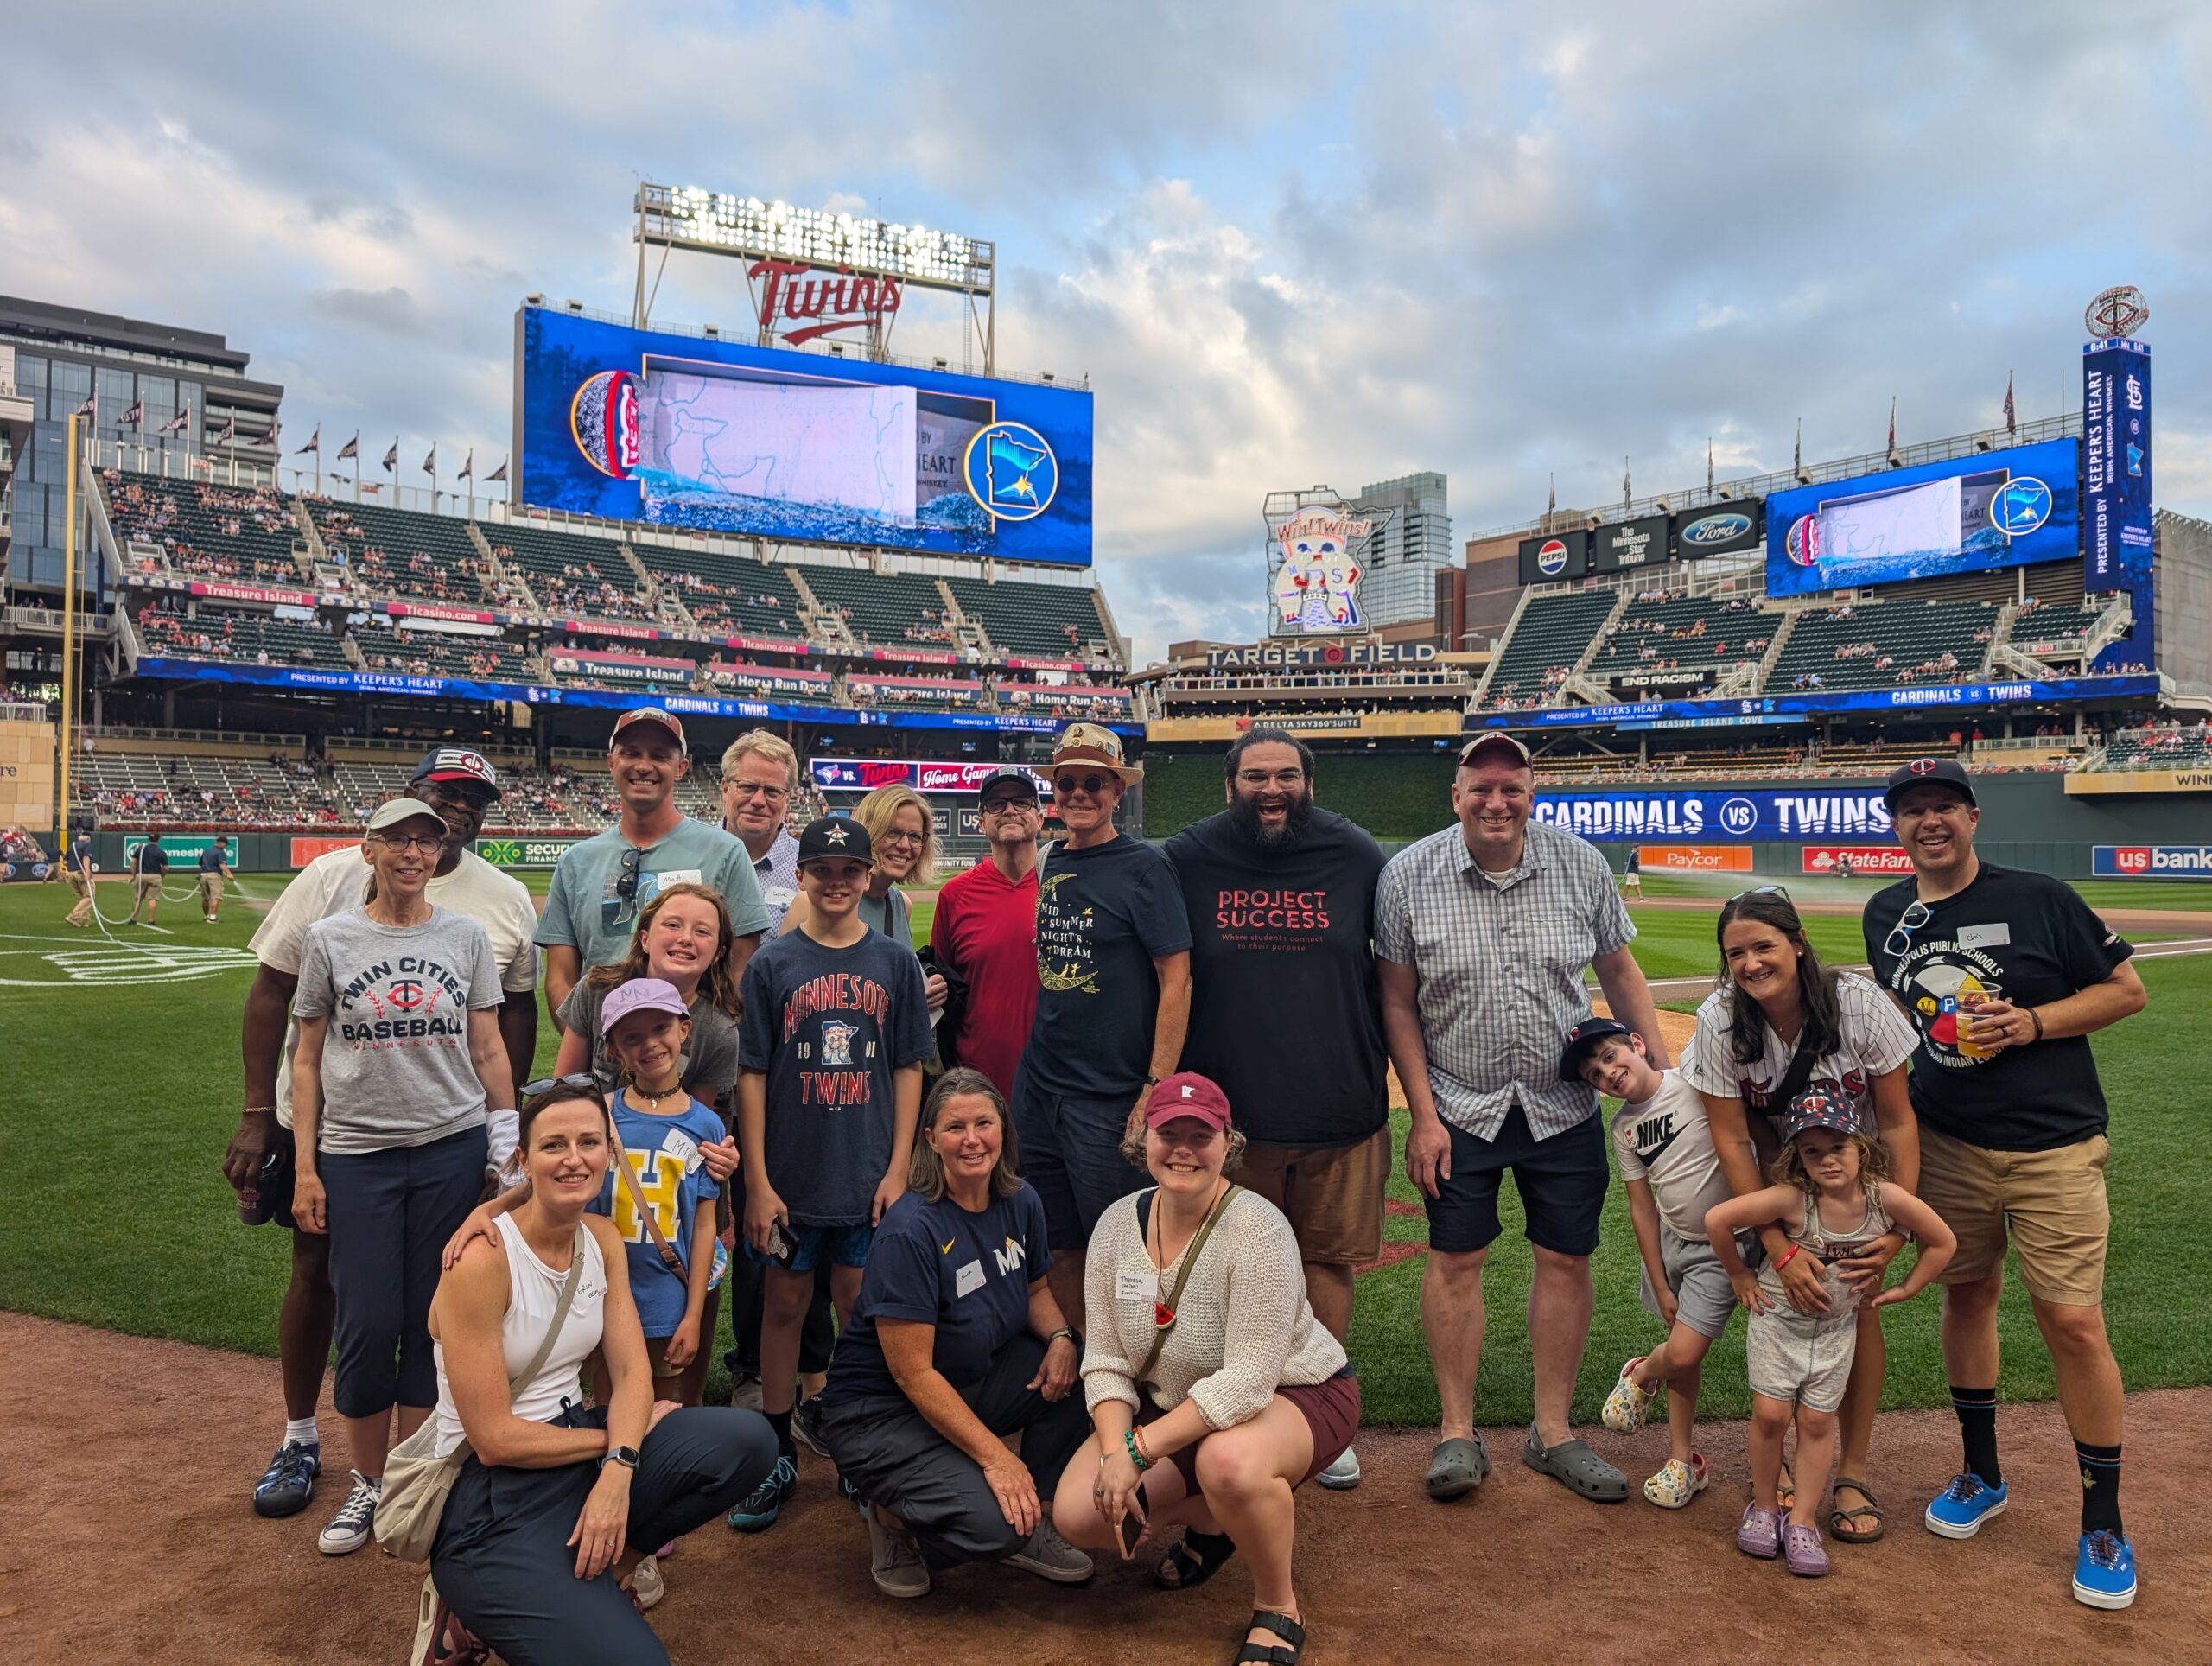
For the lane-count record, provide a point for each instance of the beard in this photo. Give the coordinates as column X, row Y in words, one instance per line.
column 1244, row 818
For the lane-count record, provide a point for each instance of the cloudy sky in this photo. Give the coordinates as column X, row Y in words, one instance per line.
column 1288, row 243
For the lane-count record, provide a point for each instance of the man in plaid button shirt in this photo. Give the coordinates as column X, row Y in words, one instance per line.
column 1482, row 933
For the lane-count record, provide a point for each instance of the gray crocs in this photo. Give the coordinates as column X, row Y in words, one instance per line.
column 1575, row 1467
column 1457, row 1467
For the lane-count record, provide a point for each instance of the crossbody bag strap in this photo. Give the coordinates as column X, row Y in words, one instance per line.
column 561, row 1305
column 669, row 1257
column 1794, row 1079
column 1175, row 1296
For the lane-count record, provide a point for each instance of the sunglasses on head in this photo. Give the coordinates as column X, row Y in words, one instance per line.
column 1782, row 891
column 582, row 1081
column 1093, row 785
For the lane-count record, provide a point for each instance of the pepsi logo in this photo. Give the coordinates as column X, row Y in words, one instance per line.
column 1551, row 556
column 1708, row 529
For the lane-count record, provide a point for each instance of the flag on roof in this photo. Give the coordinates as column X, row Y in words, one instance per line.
column 498, row 474
column 314, row 444
column 351, row 448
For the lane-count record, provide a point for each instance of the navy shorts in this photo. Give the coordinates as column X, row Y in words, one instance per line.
column 1071, row 1152
column 1561, row 1181
column 820, row 1246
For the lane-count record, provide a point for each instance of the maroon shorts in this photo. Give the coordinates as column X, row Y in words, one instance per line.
column 1331, row 1410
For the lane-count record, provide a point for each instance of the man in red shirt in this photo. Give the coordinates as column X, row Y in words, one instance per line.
column 985, row 929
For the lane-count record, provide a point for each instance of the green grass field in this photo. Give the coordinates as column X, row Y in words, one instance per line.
column 131, row 1047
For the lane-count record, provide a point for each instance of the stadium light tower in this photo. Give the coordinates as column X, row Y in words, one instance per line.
column 813, row 273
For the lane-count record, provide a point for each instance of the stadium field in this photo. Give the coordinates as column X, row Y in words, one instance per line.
column 135, row 1035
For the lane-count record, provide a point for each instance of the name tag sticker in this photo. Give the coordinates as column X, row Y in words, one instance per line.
column 680, row 1145
column 968, row 1279
column 1130, row 1285
column 1984, row 937
column 682, row 876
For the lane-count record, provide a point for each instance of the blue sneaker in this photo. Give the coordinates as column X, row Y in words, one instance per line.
column 288, row 1485
column 1959, row 1511
column 2104, row 1571
column 757, row 1513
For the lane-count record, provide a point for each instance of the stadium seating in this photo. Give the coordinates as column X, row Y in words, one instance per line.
column 1034, row 621
column 885, row 610
column 399, row 553
column 1549, row 636
column 1665, row 631
column 2055, row 630
column 241, row 535
column 241, row 637
column 2161, row 746
column 433, row 653
column 571, row 574
column 733, row 593
column 1882, row 644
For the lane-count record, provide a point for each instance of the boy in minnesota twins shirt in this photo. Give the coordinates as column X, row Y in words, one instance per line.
column 829, row 1087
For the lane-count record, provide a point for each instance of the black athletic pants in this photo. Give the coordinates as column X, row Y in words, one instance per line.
column 898, row 1459
column 503, row 1563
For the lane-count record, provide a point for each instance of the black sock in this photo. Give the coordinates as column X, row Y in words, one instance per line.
column 781, row 1422
column 2099, row 1487
column 1977, row 1410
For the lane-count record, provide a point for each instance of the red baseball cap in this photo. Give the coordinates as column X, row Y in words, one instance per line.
column 1186, row 1093
column 650, row 715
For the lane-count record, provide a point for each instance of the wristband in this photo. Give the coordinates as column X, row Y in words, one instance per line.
column 1783, row 1259
column 1067, row 1331
column 2036, row 1018
column 1129, row 1440
column 257, row 1111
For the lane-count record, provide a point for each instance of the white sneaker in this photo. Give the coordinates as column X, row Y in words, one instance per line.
column 1049, row 1556
column 356, row 1520
column 896, row 1562
column 646, row 1582
column 1343, row 1475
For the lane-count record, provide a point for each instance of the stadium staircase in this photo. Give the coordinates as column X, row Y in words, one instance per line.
column 822, row 624
column 1785, row 623
column 512, row 577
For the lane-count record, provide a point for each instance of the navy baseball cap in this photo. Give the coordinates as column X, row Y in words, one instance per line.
column 1583, row 1037
column 1927, row 772
column 831, row 836
column 1815, row 1107
column 458, row 764
column 1024, row 785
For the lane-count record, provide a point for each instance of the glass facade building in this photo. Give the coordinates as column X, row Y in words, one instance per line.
column 1413, row 546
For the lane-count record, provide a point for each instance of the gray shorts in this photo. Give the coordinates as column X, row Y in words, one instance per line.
column 1790, row 1358
column 1703, row 1297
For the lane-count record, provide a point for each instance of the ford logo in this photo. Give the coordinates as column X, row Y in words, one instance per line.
column 1716, row 529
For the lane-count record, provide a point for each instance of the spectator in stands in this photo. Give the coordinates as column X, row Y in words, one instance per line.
column 392, row 1145
column 1114, row 964
column 1280, row 894
column 759, row 774
column 985, row 929
column 2012, row 1140
column 1475, row 1036
column 599, row 885
column 461, row 785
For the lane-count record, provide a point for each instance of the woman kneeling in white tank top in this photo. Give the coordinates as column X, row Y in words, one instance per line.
column 558, row 1505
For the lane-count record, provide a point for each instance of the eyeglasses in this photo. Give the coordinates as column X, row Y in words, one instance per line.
column 1782, row 891
column 1916, row 914
column 1270, row 778
column 1094, row 784
column 429, row 845
column 750, row 789
column 1001, row 806
column 625, row 881
column 581, row 1080
column 901, row 837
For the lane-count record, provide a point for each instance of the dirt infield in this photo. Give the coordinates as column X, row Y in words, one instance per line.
column 129, row 1538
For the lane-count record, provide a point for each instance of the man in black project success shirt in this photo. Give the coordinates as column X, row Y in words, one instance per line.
column 2005, row 975
column 1114, row 976
column 1285, row 1012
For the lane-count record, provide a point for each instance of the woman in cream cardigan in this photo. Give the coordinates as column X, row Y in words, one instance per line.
column 1206, row 1413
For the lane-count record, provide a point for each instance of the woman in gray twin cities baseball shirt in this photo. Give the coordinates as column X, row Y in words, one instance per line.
column 398, row 1058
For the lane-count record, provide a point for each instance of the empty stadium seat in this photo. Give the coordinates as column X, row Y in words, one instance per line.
column 241, row 637
column 398, row 552
column 1034, row 621
column 1882, row 644
column 1702, row 634
column 571, row 574
column 885, row 610
column 1550, row 636
column 733, row 593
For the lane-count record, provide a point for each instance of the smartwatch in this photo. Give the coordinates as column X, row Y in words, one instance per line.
column 1067, row 1331
column 626, row 1456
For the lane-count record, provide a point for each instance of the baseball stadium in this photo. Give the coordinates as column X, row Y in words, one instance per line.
column 232, row 635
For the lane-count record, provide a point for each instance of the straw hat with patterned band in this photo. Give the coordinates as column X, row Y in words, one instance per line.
column 1088, row 743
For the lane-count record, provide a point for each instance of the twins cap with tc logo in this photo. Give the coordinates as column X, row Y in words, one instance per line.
column 457, row 764
column 1927, row 772
column 1815, row 1107
column 651, row 715
column 827, row 837
column 1583, row 1037
column 1186, row 1093
column 1092, row 743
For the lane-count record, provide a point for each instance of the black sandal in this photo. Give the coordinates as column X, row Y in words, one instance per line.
column 1193, row 1558
column 1266, row 1619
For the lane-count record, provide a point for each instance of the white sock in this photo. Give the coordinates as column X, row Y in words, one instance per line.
column 304, row 1430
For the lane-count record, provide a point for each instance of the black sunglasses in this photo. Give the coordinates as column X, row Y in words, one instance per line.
column 625, row 885
column 1093, row 785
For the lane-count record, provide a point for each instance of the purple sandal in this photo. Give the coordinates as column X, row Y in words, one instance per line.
column 1760, row 1534
column 1802, row 1552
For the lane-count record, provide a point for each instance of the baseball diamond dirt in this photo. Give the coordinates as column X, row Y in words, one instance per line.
column 149, row 1553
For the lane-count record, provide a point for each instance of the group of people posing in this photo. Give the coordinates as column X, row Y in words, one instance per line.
column 1119, row 1084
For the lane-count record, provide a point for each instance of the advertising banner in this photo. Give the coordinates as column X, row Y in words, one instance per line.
column 925, row 775
column 185, row 849
column 1630, row 543
column 1999, row 509
column 522, row 852
column 2115, row 462
column 1721, row 531
column 1716, row 815
column 250, row 593
column 1695, row 858
column 307, row 849
column 1315, row 558
column 681, row 431
column 1866, row 859
column 1786, row 707
column 2094, row 782
column 2152, row 862
column 1554, row 556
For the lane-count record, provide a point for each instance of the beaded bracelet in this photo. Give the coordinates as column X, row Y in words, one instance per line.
column 1129, row 1440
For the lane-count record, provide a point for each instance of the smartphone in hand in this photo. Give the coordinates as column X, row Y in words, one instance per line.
column 1130, row 1530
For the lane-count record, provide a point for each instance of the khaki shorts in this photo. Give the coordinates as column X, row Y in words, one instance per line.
column 146, row 886
column 211, row 887
column 1331, row 1195
column 2051, row 1204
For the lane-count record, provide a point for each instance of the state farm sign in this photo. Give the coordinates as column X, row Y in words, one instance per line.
column 1864, row 858
column 825, row 303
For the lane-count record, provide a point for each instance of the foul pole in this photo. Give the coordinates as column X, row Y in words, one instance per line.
column 68, row 641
